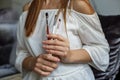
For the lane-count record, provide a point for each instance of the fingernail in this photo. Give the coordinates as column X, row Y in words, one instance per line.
column 58, row 60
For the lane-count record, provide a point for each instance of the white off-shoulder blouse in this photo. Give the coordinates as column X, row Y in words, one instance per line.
column 83, row 31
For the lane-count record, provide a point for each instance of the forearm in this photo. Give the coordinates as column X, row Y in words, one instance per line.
column 78, row 56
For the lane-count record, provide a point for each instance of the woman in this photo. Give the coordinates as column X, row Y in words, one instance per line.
column 59, row 39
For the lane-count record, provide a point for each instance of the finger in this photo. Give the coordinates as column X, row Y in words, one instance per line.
column 57, row 53
column 55, row 42
column 40, row 72
column 44, row 67
column 48, row 57
column 56, row 36
column 47, row 63
column 57, row 48
column 51, row 58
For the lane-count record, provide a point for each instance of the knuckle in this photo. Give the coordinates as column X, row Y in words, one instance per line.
column 47, row 56
column 57, row 35
column 45, row 68
column 55, row 47
column 53, row 51
column 64, row 49
column 43, row 56
column 65, row 54
column 54, row 65
column 42, row 66
column 50, row 51
column 51, row 69
column 55, row 41
column 49, row 64
column 38, row 60
column 67, row 48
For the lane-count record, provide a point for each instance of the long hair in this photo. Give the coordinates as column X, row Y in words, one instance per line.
column 34, row 11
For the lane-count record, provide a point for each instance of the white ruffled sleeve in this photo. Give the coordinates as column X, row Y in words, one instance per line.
column 21, row 50
column 93, row 39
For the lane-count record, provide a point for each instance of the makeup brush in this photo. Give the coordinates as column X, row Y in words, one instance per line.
column 47, row 27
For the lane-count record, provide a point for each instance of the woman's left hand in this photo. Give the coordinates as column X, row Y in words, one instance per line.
column 57, row 46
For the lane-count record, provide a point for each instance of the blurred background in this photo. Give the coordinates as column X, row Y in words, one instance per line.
column 10, row 10
column 14, row 4
column 102, row 6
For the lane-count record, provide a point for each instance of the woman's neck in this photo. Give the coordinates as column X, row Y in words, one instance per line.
column 51, row 4
column 51, row 1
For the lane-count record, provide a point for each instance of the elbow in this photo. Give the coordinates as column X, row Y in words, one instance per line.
column 18, row 66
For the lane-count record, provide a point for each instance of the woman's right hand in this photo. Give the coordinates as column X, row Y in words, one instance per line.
column 46, row 64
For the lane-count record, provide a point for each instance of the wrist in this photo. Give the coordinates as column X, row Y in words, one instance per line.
column 67, row 58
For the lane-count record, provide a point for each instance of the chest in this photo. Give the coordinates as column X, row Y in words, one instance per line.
column 56, row 26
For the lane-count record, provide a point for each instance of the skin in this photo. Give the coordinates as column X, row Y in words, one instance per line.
column 58, row 48
column 46, row 64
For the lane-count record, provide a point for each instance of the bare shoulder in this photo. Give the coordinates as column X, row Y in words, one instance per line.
column 26, row 6
column 82, row 6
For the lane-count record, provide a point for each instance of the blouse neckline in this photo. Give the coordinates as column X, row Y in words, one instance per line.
column 49, row 10
column 79, row 13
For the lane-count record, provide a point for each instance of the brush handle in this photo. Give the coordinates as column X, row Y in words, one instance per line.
column 47, row 27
